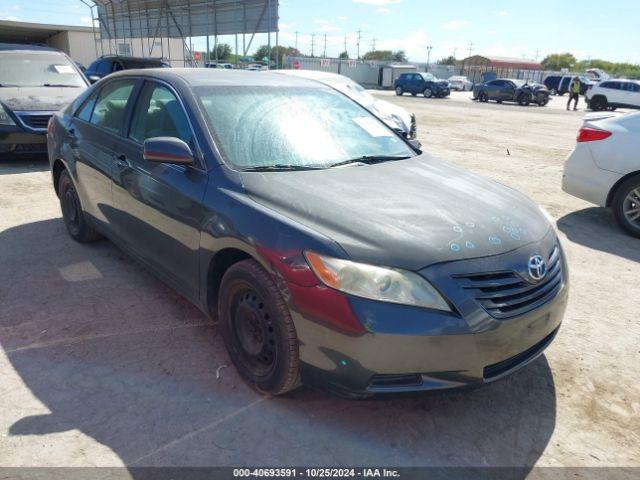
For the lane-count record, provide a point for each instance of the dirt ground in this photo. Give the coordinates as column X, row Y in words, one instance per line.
column 102, row 365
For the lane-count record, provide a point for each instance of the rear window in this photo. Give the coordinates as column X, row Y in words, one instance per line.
column 29, row 69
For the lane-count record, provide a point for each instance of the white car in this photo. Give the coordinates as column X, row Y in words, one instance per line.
column 604, row 168
column 394, row 116
column 612, row 94
column 460, row 83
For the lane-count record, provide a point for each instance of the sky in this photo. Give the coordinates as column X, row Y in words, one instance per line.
column 524, row 29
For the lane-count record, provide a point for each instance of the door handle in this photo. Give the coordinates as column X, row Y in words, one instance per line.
column 122, row 162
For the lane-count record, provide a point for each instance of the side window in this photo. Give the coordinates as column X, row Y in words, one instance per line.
column 111, row 105
column 103, row 67
column 84, row 113
column 495, row 83
column 158, row 113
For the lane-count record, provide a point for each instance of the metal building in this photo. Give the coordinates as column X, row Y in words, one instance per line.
column 135, row 21
column 476, row 66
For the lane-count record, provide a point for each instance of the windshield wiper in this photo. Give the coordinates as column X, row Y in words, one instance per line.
column 280, row 168
column 371, row 159
column 59, row 85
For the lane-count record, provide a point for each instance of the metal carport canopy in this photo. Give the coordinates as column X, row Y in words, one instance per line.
column 185, row 18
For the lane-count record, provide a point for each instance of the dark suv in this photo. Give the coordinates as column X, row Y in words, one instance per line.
column 511, row 90
column 559, row 84
column 107, row 64
column 424, row 83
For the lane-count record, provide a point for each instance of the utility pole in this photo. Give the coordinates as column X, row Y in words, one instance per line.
column 471, row 45
column 324, row 53
column 537, row 54
column 313, row 43
column 429, row 48
column 345, row 45
column 373, row 45
column 359, row 38
column 296, row 40
column 455, row 50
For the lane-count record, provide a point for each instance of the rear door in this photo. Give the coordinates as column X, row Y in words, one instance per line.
column 159, row 205
column 92, row 136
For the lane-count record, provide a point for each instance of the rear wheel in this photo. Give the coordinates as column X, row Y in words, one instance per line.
column 72, row 213
column 626, row 206
column 258, row 330
column 399, row 91
column 553, row 91
column 598, row 104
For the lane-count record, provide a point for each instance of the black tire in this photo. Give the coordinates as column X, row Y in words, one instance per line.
column 72, row 214
column 553, row 91
column 543, row 103
column 414, row 94
column 399, row 91
column 625, row 200
column 498, row 101
column 598, row 104
column 428, row 92
column 483, row 97
column 257, row 329
column 524, row 100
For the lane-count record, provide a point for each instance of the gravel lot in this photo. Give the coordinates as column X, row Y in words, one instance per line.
column 102, row 365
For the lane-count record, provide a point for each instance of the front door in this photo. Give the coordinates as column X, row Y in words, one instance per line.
column 159, row 205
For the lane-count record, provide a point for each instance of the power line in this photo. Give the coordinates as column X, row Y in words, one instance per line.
column 313, row 43
column 324, row 53
column 359, row 38
column 471, row 45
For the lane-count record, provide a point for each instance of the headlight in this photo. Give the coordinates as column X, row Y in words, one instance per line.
column 5, row 119
column 376, row 283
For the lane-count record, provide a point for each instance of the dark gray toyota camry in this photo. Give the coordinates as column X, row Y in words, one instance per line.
column 331, row 251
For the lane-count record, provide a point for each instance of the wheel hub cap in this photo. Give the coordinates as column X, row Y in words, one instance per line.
column 632, row 207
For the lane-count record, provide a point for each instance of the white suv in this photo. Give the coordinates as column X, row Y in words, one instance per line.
column 612, row 94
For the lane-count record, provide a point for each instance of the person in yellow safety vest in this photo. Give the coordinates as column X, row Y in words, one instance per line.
column 574, row 93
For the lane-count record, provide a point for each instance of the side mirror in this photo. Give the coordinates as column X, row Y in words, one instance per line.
column 415, row 144
column 167, row 150
column 93, row 78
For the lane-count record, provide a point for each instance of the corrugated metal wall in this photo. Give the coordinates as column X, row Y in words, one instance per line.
column 367, row 74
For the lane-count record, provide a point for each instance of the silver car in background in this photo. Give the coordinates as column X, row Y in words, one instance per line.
column 396, row 117
column 460, row 83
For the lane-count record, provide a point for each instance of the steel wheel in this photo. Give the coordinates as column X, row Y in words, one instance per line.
column 254, row 331
column 428, row 93
column 72, row 213
column 399, row 91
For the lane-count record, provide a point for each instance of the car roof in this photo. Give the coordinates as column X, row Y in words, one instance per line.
column 198, row 77
column 9, row 47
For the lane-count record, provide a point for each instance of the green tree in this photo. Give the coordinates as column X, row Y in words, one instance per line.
column 262, row 52
column 558, row 61
column 223, row 52
column 386, row 56
column 450, row 60
column 276, row 52
column 344, row 56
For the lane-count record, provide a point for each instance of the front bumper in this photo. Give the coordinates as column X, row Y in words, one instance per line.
column 407, row 349
column 16, row 143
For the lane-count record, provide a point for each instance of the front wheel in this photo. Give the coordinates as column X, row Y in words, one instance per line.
column 524, row 100
column 72, row 214
column 399, row 91
column 543, row 103
column 428, row 93
column 257, row 329
column 483, row 97
column 626, row 206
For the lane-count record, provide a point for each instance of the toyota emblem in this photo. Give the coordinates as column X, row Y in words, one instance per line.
column 537, row 268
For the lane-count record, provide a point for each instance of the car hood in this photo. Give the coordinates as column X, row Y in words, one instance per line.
column 38, row 98
column 406, row 214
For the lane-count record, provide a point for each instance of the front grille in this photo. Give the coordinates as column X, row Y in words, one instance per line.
column 507, row 294
column 414, row 128
column 35, row 121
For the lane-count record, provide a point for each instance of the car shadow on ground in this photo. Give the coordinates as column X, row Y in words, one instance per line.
column 113, row 353
column 596, row 228
column 24, row 165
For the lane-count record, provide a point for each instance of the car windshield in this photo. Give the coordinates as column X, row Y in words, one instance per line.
column 262, row 127
column 429, row 77
column 27, row 69
column 519, row 83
